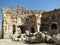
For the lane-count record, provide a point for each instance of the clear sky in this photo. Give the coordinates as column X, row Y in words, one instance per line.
column 30, row 5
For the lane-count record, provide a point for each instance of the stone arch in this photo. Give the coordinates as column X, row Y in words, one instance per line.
column 53, row 26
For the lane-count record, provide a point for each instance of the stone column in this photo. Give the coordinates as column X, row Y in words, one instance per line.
column 39, row 22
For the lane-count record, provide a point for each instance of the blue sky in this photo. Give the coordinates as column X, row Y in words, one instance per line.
column 30, row 5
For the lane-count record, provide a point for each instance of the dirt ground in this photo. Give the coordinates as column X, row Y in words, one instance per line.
column 10, row 42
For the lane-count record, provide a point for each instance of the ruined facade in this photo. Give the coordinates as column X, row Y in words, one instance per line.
column 21, row 19
column 32, row 20
column 51, row 21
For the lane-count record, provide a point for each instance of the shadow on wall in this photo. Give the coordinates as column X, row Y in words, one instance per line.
column 0, row 34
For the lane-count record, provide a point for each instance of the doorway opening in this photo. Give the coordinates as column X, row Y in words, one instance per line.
column 32, row 29
column 22, row 29
column 53, row 27
column 14, row 29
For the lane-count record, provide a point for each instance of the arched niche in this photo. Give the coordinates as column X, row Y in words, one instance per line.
column 53, row 26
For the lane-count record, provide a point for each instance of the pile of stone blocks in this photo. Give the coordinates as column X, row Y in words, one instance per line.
column 37, row 37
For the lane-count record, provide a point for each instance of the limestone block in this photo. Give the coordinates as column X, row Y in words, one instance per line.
column 43, row 35
column 48, row 37
column 57, row 39
column 20, row 39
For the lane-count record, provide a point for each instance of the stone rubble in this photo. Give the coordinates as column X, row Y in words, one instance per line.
column 57, row 39
column 36, row 37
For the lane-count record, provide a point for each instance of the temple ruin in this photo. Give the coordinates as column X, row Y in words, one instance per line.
column 32, row 20
column 21, row 19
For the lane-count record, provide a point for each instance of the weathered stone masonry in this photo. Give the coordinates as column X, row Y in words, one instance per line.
column 32, row 20
column 24, row 19
column 51, row 21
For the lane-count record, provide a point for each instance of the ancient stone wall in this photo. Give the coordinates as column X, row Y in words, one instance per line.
column 12, row 19
column 51, row 21
column 32, row 20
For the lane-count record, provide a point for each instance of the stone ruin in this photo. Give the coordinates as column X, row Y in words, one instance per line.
column 15, row 23
column 21, row 19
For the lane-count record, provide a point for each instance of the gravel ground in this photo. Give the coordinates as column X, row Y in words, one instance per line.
column 10, row 42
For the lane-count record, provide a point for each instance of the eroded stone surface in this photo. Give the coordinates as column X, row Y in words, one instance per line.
column 23, row 19
column 31, row 20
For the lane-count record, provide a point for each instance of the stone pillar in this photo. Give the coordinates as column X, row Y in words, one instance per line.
column 38, row 22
